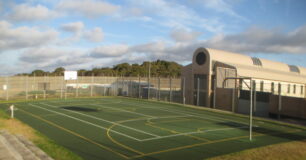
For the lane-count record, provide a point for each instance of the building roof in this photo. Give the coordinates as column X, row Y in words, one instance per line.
column 259, row 68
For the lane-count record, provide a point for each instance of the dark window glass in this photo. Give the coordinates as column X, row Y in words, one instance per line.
column 254, row 85
column 302, row 89
column 272, row 87
column 260, row 96
column 294, row 88
column 261, row 86
column 201, row 58
column 256, row 61
column 288, row 88
column 294, row 68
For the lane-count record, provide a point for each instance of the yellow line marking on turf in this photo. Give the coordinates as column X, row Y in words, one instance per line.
column 130, row 108
column 161, row 128
column 49, row 115
column 118, row 143
column 169, row 121
column 75, row 134
column 211, row 142
column 175, row 132
column 188, row 146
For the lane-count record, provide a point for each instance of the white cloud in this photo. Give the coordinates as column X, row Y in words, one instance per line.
column 94, row 35
column 25, row 12
column 74, row 27
column 109, row 51
column 221, row 6
column 89, row 8
column 254, row 40
column 258, row 40
column 23, row 37
column 182, row 35
column 49, row 58
column 78, row 29
column 39, row 55
column 152, row 47
column 107, row 55
column 175, row 15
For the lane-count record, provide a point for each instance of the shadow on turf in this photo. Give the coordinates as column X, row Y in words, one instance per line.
column 271, row 132
column 82, row 109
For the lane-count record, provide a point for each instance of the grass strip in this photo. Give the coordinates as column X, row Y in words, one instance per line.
column 15, row 126
column 291, row 150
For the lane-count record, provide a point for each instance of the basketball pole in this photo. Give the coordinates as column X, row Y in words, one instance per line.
column 251, row 108
column 251, row 101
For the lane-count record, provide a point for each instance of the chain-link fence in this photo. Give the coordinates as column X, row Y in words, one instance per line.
column 25, row 87
column 269, row 97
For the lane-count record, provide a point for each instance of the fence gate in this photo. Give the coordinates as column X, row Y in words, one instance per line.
column 200, row 89
column 225, row 93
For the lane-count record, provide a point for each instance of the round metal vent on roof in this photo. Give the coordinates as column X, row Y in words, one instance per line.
column 201, row 58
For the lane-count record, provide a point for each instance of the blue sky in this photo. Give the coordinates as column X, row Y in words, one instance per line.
column 82, row 34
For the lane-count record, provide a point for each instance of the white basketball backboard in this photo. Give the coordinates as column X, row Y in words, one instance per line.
column 70, row 75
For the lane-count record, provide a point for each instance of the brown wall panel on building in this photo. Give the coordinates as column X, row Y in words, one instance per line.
column 291, row 106
column 224, row 99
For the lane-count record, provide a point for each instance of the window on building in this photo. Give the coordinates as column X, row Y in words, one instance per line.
column 302, row 90
column 288, row 88
column 272, row 87
column 261, row 86
column 256, row 61
column 254, row 85
column 279, row 88
column 294, row 68
column 294, row 89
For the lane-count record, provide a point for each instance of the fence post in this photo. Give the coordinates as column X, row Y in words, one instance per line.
column 91, row 86
column 198, row 91
column 7, row 87
column 149, row 76
column 170, row 81
column 129, row 88
column 184, row 96
column 45, row 86
column 34, row 79
column 104, row 91
column 138, row 86
column 215, row 92
column 279, row 100
column 126, row 83
column 65, row 88
column 27, row 79
column 116, row 89
column 77, row 88
column 62, row 85
column 158, row 88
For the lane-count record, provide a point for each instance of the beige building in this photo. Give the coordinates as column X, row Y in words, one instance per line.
column 209, row 82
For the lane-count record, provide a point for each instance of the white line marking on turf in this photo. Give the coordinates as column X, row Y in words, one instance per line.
column 36, row 106
column 184, row 114
column 189, row 114
column 99, row 105
column 117, row 124
column 189, row 133
column 152, row 118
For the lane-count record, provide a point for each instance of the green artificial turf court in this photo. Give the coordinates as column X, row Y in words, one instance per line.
column 125, row 128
